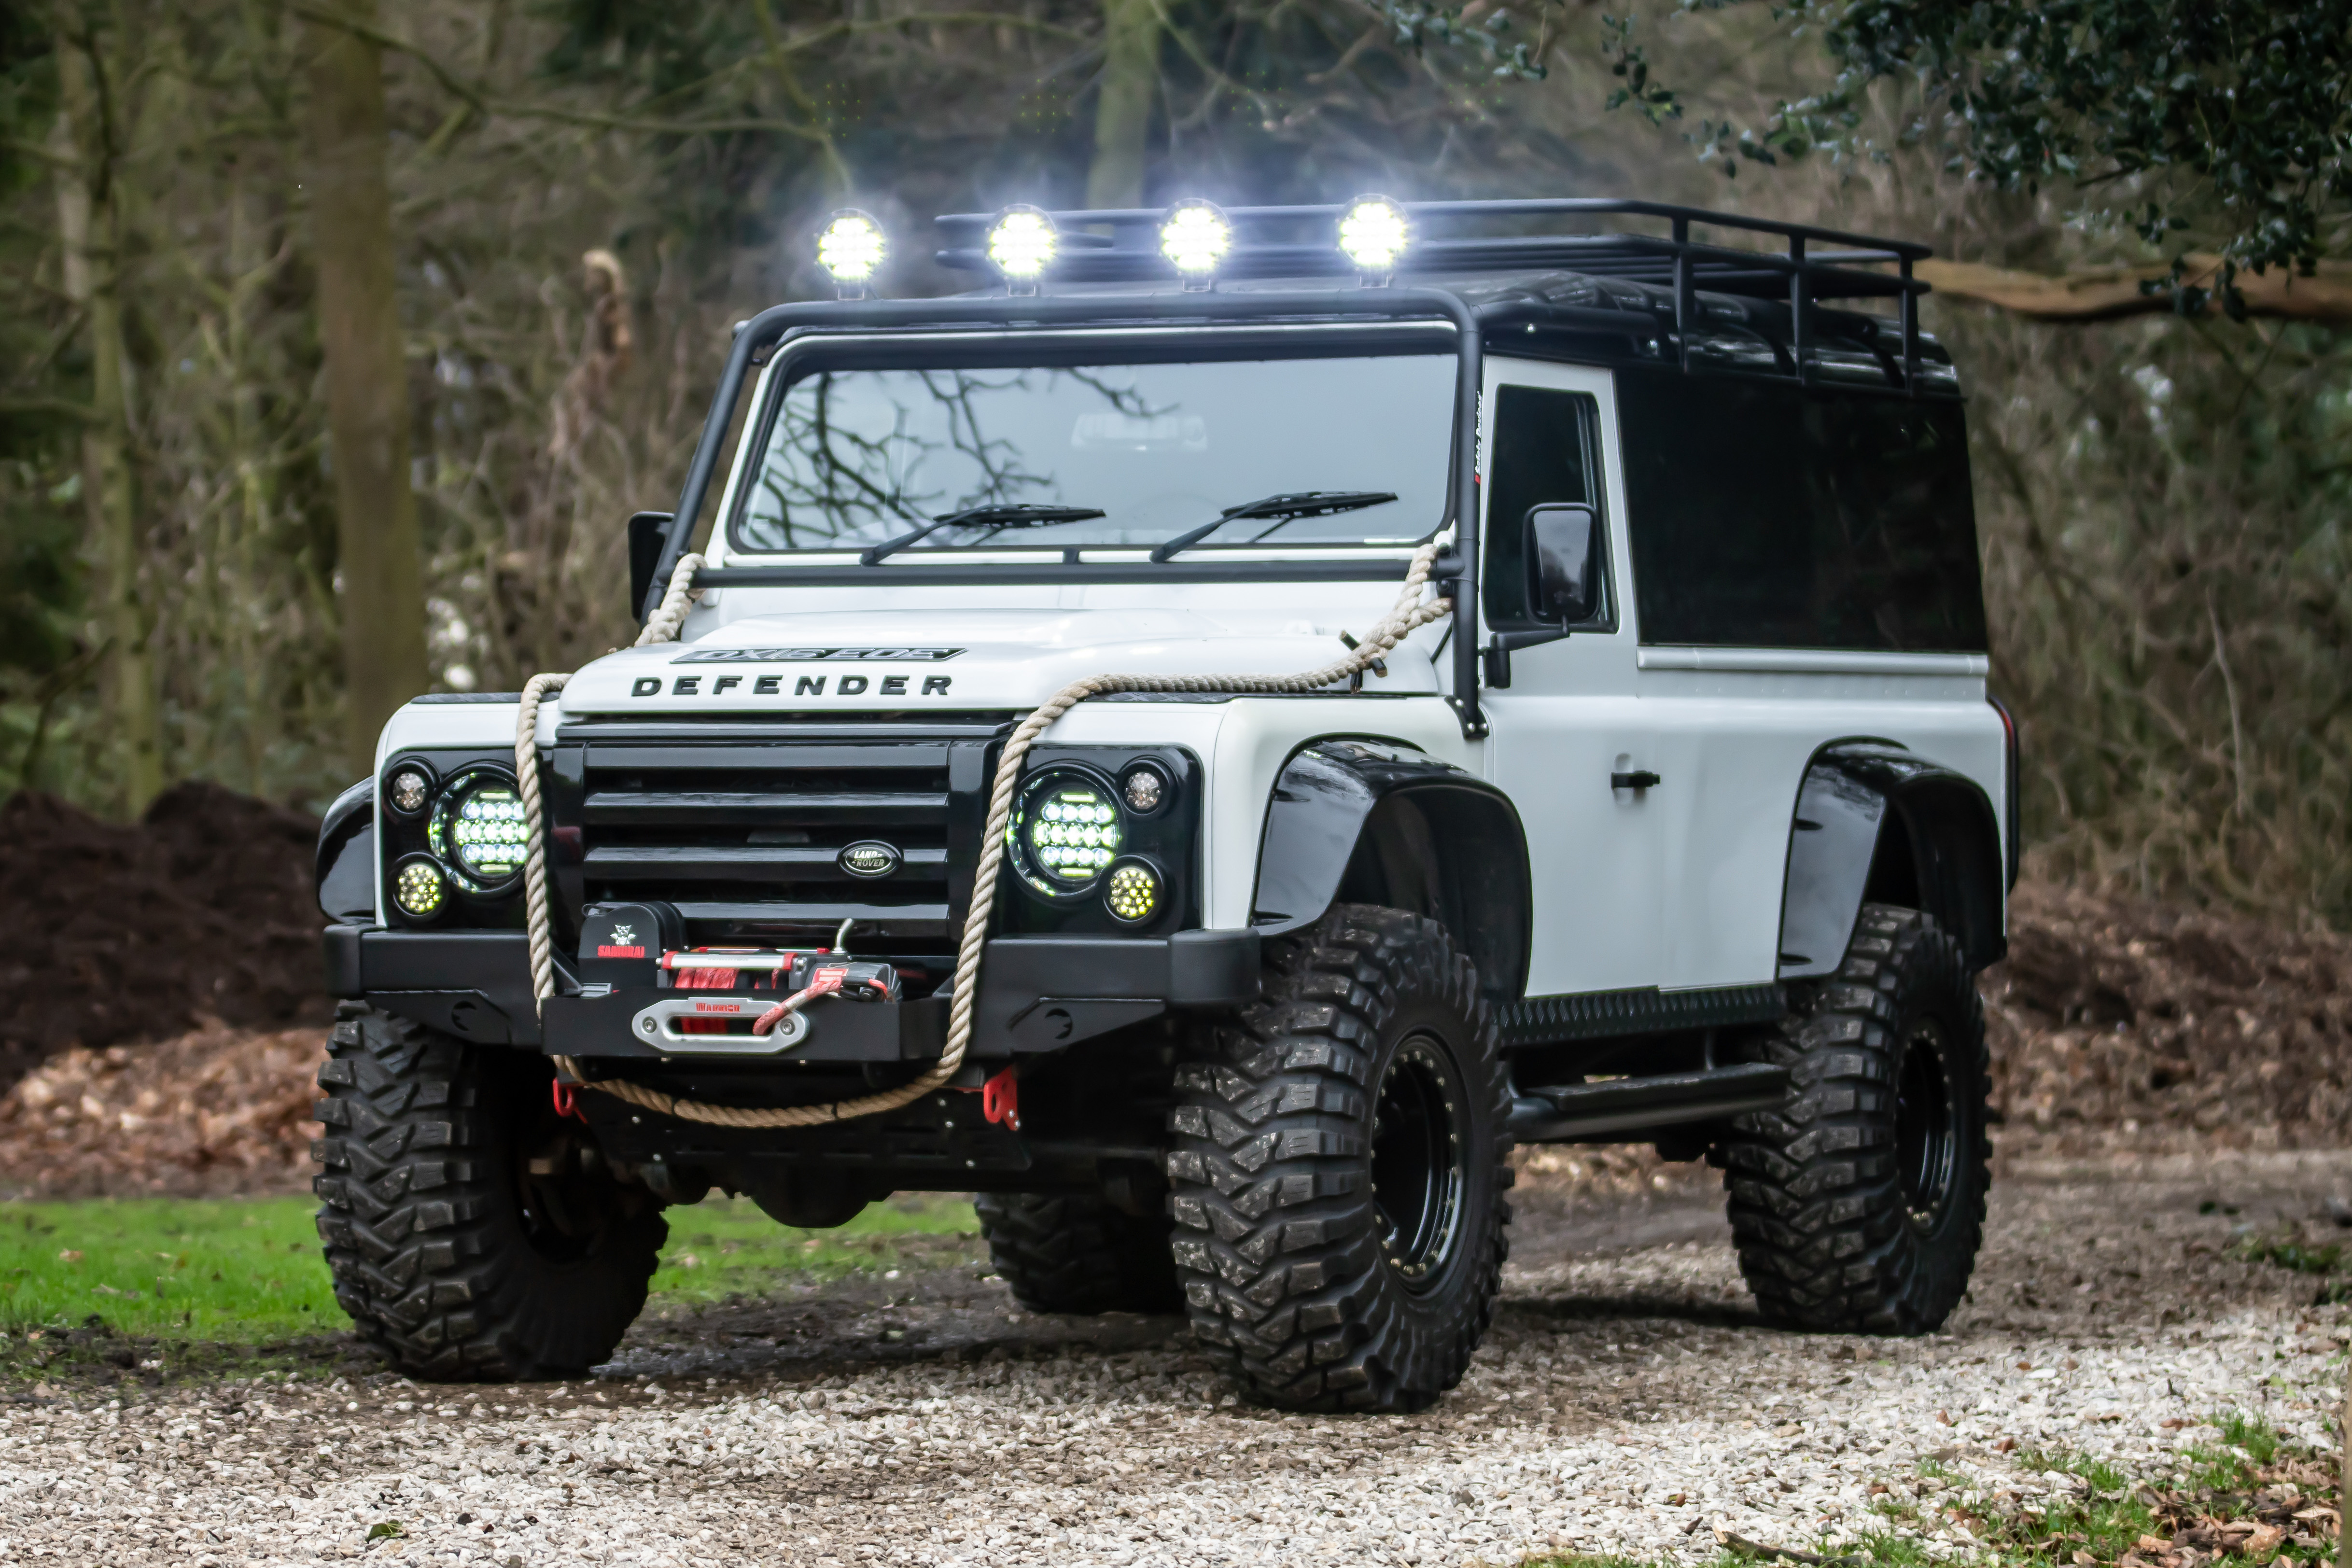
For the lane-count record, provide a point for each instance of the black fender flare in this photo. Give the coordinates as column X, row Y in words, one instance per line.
column 343, row 869
column 1877, row 823
column 1353, row 820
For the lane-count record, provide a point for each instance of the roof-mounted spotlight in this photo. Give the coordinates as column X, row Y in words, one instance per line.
column 1022, row 243
column 1195, row 237
column 852, row 247
column 1373, row 233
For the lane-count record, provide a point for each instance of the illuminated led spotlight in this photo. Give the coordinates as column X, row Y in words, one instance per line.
column 1064, row 831
column 418, row 887
column 1132, row 892
column 478, row 832
column 1373, row 233
column 1195, row 237
column 408, row 789
column 851, row 249
column 1022, row 243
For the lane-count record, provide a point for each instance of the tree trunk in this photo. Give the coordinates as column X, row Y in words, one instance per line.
column 378, row 546
column 1130, row 75
column 90, row 226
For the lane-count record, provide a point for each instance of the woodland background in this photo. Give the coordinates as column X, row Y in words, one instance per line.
column 583, row 195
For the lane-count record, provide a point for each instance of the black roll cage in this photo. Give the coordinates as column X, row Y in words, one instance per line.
column 1805, row 275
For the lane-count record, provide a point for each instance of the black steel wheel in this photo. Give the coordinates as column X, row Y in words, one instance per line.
column 1419, row 1166
column 1338, row 1169
column 472, row 1234
column 1859, row 1205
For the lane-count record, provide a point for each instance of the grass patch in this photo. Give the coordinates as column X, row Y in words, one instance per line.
column 2238, row 1501
column 725, row 1246
column 2290, row 1252
column 244, row 1270
column 250, row 1271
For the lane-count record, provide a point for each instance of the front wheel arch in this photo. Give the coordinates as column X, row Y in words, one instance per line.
column 1374, row 822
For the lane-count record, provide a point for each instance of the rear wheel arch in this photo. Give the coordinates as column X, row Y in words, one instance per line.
column 1877, row 823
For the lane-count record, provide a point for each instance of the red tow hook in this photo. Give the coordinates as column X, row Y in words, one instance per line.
column 566, row 1102
column 1000, row 1099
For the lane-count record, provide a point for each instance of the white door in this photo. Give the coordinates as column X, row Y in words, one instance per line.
column 1569, row 720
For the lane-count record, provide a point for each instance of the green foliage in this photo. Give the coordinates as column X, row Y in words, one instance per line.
column 2292, row 1252
column 2230, row 120
column 1419, row 27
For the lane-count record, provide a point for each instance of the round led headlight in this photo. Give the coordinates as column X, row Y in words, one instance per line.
column 478, row 832
column 851, row 249
column 1065, row 831
column 1194, row 236
column 1373, row 233
column 1024, row 243
column 1133, row 892
column 408, row 788
column 418, row 887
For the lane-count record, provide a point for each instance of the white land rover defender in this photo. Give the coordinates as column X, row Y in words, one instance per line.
column 1667, row 804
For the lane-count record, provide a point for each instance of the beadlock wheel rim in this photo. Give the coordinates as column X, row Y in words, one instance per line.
column 1926, row 1140
column 1419, row 1168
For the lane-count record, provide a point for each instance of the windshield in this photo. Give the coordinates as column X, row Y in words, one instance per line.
column 864, row 457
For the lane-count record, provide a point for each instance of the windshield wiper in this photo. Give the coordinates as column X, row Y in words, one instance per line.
column 1012, row 514
column 1289, row 506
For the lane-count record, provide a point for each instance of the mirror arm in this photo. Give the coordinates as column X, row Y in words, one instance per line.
column 1496, row 656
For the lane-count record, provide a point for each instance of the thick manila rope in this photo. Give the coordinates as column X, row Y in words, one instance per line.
column 1403, row 617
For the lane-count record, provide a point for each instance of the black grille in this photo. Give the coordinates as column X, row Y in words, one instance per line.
column 741, row 828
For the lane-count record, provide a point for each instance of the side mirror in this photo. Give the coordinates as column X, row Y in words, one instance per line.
column 647, row 530
column 1563, row 556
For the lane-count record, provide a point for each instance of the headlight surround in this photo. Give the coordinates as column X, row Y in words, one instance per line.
column 1068, row 828
column 477, row 832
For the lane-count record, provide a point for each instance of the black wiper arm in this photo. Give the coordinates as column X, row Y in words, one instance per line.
column 1289, row 505
column 1016, row 514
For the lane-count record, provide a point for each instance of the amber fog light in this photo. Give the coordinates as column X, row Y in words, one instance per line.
column 419, row 888
column 1133, row 892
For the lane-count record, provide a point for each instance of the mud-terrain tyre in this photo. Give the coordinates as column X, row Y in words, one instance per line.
column 472, row 1235
column 1338, row 1166
column 1859, row 1205
column 1073, row 1252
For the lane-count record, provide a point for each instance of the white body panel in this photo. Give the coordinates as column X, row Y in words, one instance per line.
column 1675, row 887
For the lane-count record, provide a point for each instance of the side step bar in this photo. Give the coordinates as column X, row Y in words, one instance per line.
column 1578, row 1112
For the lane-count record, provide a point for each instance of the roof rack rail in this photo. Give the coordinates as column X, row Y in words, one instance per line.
column 1303, row 241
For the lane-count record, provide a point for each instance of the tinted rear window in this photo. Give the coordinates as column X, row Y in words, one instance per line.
column 1763, row 516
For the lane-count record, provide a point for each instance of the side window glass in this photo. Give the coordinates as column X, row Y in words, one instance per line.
column 1765, row 516
column 1545, row 448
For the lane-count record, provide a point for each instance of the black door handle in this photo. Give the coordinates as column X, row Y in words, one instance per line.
column 1640, row 779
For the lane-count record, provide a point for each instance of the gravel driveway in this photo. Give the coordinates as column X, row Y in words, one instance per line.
column 1624, row 1403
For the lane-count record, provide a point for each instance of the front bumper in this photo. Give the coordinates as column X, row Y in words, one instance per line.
column 1037, row 994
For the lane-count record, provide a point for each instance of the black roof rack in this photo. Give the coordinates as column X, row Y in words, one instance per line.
column 1302, row 242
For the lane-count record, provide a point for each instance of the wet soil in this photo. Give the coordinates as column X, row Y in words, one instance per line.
column 116, row 932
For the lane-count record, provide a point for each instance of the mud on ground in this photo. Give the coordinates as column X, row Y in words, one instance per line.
column 1625, row 1401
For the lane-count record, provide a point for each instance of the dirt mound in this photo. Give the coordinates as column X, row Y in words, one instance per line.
column 2116, row 1022
column 211, row 1114
column 112, row 933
